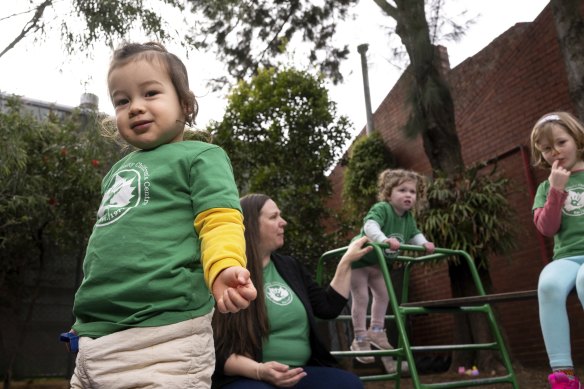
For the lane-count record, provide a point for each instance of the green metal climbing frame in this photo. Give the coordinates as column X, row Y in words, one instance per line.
column 400, row 309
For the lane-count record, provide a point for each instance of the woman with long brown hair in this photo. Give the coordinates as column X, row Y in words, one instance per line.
column 274, row 342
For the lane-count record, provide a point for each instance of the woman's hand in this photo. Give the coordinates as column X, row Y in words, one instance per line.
column 356, row 250
column 280, row 375
column 341, row 281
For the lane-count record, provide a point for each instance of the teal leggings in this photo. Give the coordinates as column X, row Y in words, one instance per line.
column 556, row 281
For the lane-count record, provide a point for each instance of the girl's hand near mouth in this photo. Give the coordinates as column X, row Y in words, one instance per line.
column 558, row 176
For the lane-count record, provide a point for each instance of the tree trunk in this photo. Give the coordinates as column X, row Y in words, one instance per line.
column 570, row 29
column 432, row 112
column 433, row 116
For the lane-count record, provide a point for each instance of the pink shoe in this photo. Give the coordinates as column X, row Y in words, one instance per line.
column 561, row 381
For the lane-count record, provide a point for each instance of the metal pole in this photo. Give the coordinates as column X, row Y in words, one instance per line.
column 362, row 49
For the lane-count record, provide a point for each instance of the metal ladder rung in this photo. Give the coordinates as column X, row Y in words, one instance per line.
column 380, row 377
column 465, row 309
column 448, row 347
column 348, row 317
column 468, row 383
column 367, row 353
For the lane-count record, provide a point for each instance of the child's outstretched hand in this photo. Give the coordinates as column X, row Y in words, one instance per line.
column 558, row 176
column 233, row 289
column 429, row 246
column 393, row 243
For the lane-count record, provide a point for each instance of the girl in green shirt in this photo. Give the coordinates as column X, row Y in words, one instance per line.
column 389, row 221
column 168, row 238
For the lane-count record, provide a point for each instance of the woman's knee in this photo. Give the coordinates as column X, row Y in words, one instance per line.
column 334, row 378
column 246, row 383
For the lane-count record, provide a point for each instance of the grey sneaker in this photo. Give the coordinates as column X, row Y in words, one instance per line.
column 362, row 345
column 379, row 339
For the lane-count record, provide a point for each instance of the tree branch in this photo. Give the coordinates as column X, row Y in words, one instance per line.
column 32, row 24
column 389, row 9
column 275, row 36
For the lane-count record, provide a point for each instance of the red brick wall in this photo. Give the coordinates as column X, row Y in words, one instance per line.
column 499, row 94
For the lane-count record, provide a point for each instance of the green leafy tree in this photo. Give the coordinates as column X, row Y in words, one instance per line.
column 368, row 157
column 51, row 172
column 250, row 36
column 282, row 134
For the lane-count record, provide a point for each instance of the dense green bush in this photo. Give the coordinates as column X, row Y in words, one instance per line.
column 470, row 213
column 51, row 173
column 367, row 158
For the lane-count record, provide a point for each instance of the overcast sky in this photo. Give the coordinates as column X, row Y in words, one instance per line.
column 41, row 71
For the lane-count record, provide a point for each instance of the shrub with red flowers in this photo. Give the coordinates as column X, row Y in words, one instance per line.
column 51, row 173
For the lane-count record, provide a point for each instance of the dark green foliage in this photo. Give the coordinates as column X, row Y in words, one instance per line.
column 470, row 213
column 369, row 156
column 282, row 134
column 111, row 20
column 51, row 173
column 250, row 35
column 199, row 135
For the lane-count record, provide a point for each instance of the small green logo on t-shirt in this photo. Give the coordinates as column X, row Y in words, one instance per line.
column 278, row 293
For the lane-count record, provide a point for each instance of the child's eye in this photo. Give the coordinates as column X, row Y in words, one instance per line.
column 120, row 102
column 151, row 93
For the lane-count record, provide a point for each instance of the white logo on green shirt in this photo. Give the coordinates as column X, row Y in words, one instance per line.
column 278, row 293
column 121, row 195
column 574, row 204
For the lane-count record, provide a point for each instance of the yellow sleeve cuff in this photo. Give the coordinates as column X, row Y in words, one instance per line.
column 222, row 241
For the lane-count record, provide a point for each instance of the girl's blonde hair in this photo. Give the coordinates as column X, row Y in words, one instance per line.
column 542, row 130
column 391, row 178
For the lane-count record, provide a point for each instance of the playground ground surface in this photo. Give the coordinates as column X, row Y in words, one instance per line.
column 528, row 378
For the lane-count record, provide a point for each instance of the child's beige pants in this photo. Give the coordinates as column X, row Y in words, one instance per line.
column 180, row 355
